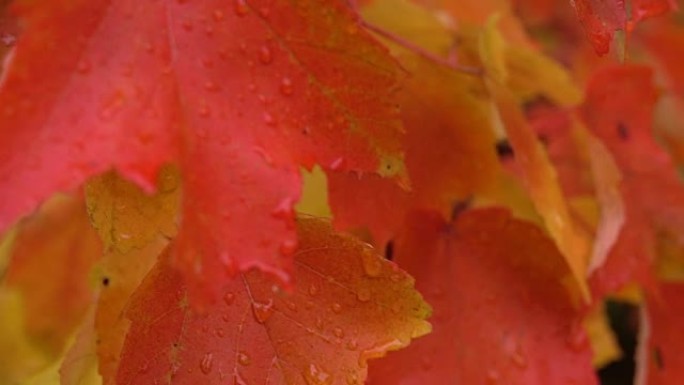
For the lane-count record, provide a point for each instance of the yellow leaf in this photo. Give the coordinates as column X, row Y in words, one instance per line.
column 126, row 217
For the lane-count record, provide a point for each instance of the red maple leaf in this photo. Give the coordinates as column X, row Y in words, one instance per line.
column 501, row 312
column 237, row 93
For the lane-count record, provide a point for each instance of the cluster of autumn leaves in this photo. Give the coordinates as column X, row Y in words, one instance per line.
column 499, row 178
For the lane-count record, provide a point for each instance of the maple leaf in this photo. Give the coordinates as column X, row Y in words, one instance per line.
column 501, row 311
column 350, row 305
column 619, row 111
column 237, row 93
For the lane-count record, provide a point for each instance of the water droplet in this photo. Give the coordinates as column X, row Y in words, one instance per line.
column 220, row 333
column 515, row 352
column 286, row 86
column 492, row 377
column 229, row 298
column 206, row 363
column 363, row 294
column 244, row 359
column 187, row 25
column 269, row 119
column 241, row 8
column 218, row 15
column 319, row 323
column 227, row 262
column 314, row 375
column 284, row 209
column 264, row 12
column 336, row 307
column 313, row 290
column 144, row 368
column 338, row 332
column 291, row 305
column 352, row 345
column 262, row 311
column 336, row 164
column 211, row 86
column 288, row 247
column 372, row 264
column 265, row 55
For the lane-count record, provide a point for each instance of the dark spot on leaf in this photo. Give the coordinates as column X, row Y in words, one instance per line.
column 504, row 149
column 105, row 281
column 389, row 251
column 658, row 358
column 459, row 207
column 544, row 139
column 622, row 131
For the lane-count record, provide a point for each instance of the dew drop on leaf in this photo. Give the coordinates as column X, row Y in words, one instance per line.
column 352, row 345
column 144, row 368
column 265, row 55
column 211, row 86
column 338, row 332
column 262, row 311
column 244, row 359
column 206, row 363
column 241, row 8
column 317, row 376
column 269, row 119
column 313, row 289
column 336, row 307
column 286, row 86
column 218, row 15
column 288, row 247
column 284, row 209
column 229, row 298
column 363, row 294
column 372, row 265
column 492, row 377
column 336, row 164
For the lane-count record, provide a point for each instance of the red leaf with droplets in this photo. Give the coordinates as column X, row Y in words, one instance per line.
column 350, row 305
column 660, row 355
column 450, row 155
column 501, row 312
column 238, row 93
